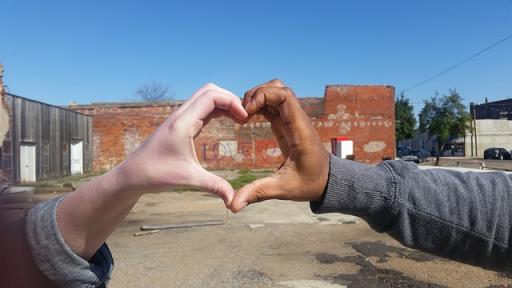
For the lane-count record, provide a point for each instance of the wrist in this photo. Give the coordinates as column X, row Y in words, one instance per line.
column 322, row 177
column 133, row 178
column 122, row 181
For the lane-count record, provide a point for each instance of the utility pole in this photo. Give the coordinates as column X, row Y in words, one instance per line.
column 471, row 128
column 474, row 122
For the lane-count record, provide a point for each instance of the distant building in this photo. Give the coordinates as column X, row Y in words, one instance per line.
column 44, row 141
column 492, row 110
column 40, row 141
column 491, row 126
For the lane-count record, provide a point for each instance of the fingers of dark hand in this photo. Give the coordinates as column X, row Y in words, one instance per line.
column 272, row 83
column 264, row 97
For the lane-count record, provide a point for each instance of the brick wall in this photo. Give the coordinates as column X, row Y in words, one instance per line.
column 364, row 114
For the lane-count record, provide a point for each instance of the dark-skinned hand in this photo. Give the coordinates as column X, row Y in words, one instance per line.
column 303, row 174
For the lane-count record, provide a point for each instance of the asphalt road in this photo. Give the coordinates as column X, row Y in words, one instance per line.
column 503, row 165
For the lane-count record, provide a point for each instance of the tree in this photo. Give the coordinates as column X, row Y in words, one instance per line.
column 444, row 117
column 153, row 92
column 405, row 120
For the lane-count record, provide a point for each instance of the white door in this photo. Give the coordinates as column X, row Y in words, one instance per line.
column 76, row 158
column 27, row 163
column 344, row 148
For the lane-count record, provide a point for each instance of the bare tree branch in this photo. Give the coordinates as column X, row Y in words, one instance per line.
column 153, row 92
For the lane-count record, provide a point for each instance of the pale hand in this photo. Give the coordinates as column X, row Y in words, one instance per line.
column 168, row 158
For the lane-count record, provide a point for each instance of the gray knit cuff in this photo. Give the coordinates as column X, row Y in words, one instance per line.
column 358, row 189
column 55, row 259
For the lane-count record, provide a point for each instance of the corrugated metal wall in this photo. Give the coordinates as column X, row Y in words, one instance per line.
column 51, row 129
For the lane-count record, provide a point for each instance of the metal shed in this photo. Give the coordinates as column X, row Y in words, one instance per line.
column 44, row 141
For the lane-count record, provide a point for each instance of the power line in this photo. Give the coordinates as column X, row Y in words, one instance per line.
column 458, row 64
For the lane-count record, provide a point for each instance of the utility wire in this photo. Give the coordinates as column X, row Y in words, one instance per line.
column 458, row 64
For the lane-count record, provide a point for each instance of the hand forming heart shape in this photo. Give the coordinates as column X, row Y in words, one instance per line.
column 168, row 157
column 304, row 173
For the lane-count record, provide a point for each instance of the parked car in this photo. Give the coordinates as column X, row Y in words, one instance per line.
column 402, row 151
column 417, row 155
column 497, row 153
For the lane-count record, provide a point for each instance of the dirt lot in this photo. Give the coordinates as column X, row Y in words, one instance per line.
column 270, row 244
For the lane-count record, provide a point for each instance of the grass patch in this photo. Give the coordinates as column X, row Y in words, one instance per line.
column 243, row 179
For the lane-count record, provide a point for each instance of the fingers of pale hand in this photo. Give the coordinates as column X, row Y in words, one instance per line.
column 201, row 91
column 259, row 190
column 212, row 100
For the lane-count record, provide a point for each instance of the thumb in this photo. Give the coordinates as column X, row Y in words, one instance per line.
column 216, row 185
column 259, row 190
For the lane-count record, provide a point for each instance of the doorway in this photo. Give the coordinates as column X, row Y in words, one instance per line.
column 27, row 163
column 77, row 163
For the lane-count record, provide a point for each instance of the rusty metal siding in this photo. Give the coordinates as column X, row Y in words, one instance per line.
column 51, row 129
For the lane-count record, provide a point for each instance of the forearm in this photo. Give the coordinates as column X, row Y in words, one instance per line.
column 462, row 216
column 90, row 214
column 66, row 235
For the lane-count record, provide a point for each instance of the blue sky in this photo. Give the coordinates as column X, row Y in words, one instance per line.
column 102, row 51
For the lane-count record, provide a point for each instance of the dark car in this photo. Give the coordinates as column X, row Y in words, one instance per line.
column 417, row 155
column 497, row 153
column 402, row 151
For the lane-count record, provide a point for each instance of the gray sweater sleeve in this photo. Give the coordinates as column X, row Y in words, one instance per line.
column 55, row 259
column 464, row 216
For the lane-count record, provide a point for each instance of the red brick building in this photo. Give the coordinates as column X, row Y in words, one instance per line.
column 364, row 114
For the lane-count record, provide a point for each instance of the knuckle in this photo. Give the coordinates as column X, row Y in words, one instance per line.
column 288, row 92
column 248, row 94
column 210, row 85
column 259, row 91
column 276, row 82
column 209, row 93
